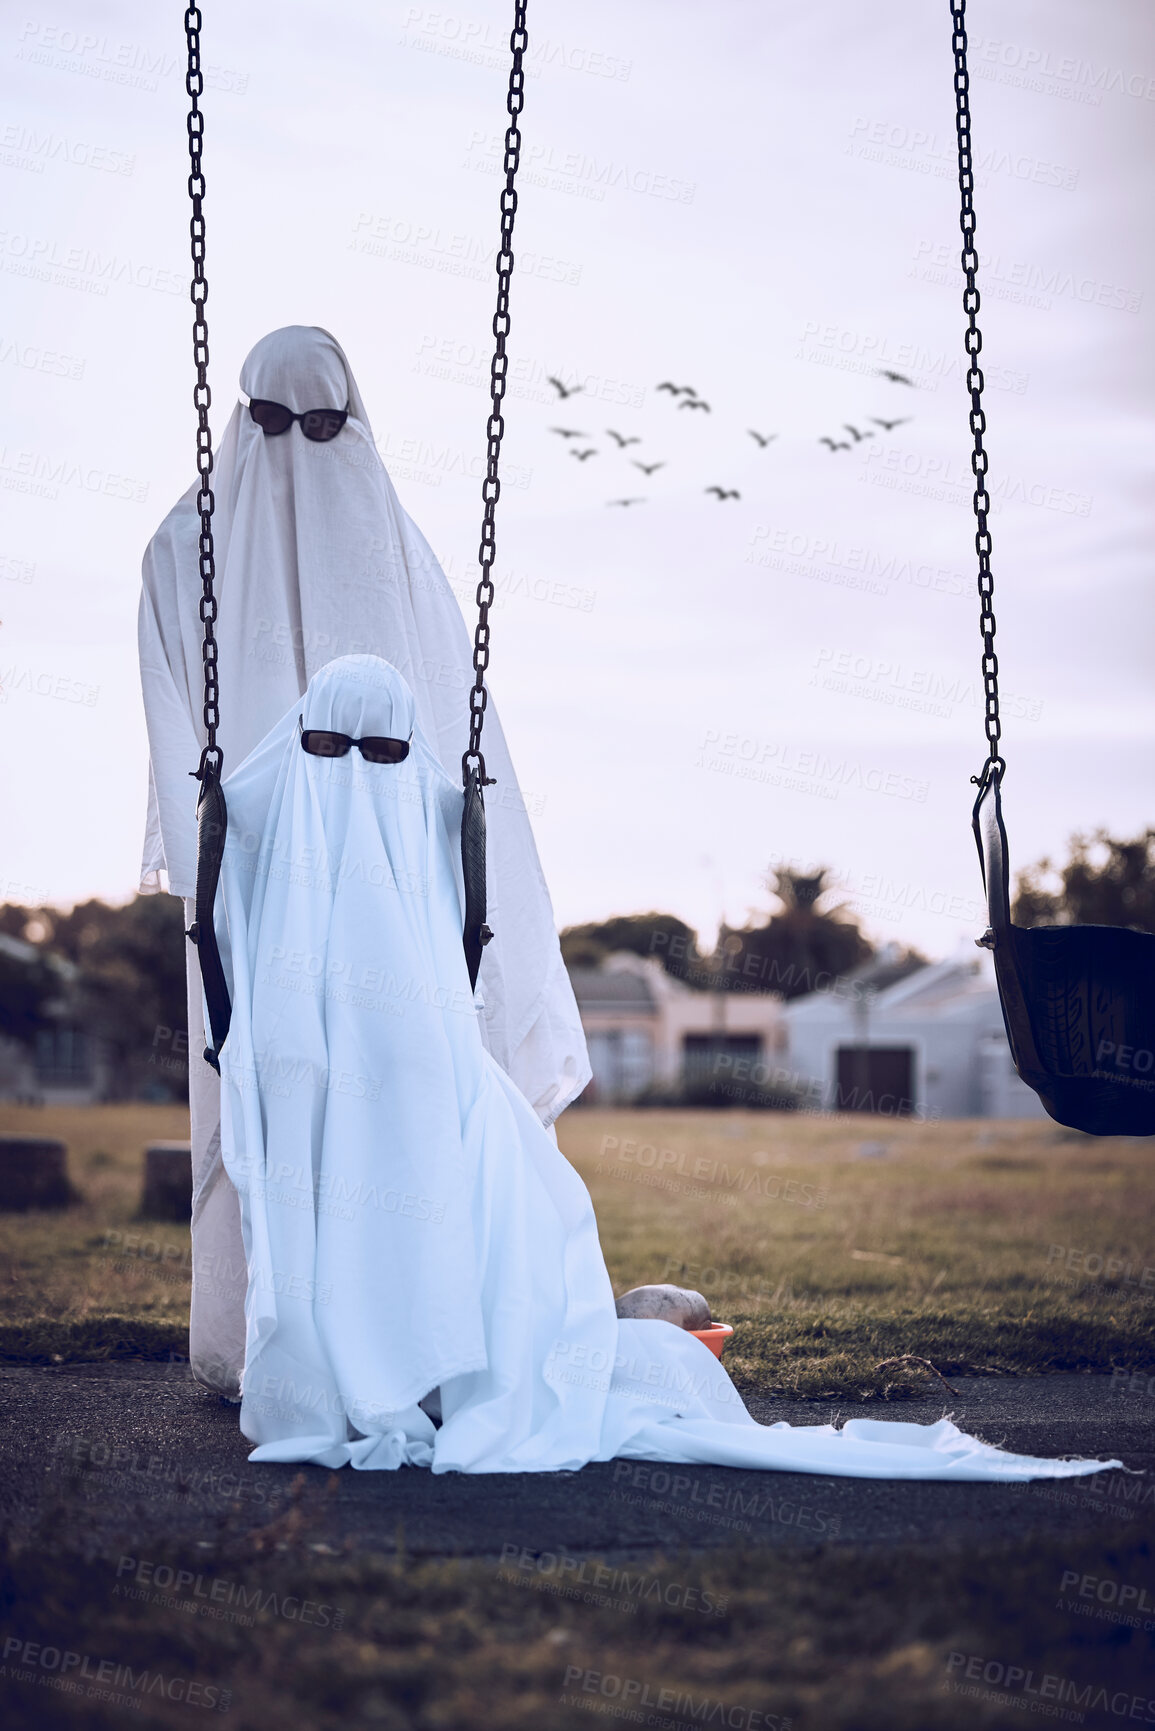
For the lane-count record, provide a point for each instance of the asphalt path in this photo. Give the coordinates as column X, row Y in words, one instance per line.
column 133, row 1457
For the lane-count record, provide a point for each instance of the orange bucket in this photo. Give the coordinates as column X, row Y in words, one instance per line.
column 715, row 1336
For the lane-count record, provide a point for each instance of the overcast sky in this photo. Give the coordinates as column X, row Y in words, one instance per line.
column 754, row 199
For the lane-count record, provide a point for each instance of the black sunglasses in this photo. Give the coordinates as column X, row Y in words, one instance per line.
column 320, row 425
column 319, row 743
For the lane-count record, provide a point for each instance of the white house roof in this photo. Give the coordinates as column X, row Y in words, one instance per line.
column 613, row 989
column 958, row 986
column 938, row 984
column 20, row 950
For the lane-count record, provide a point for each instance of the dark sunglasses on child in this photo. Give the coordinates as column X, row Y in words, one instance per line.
column 320, row 425
column 375, row 749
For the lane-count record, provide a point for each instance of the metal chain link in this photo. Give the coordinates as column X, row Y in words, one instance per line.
column 973, row 342
column 202, row 398
column 495, row 426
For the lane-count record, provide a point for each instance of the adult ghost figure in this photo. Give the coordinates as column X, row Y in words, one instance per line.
column 409, row 1225
column 315, row 558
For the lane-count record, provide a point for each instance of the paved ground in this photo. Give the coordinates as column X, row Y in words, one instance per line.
column 132, row 1455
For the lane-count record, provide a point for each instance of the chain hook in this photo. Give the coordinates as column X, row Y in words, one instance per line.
column 205, row 767
column 992, row 766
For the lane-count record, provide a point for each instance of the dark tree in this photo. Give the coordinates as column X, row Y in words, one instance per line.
column 802, row 948
column 670, row 939
column 1104, row 883
column 130, row 988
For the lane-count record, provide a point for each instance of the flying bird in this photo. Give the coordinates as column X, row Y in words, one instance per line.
column 563, row 391
column 621, row 442
column 582, row 455
column 895, row 378
column 889, row 426
column 835, row 444
column 723, row 494
column 646, row 468
column 762, row 438
column 677, row 390
column 695, row 403
column 856, row 435
column 625, row 501
column 569, row 432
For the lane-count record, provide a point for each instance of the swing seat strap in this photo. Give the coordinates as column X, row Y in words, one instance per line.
column 476, row 933
column 212, row 827
column 1001, row 936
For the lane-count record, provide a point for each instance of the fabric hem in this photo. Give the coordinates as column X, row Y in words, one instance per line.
column 556, row 1111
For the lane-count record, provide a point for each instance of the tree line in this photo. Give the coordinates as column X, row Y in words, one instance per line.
column 810, row 938
column 118, row 970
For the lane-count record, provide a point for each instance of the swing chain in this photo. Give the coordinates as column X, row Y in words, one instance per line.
column 973, row 342
column 202, row 397
column 495, row 426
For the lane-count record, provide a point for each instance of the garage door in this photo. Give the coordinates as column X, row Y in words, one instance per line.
column 875, row 1079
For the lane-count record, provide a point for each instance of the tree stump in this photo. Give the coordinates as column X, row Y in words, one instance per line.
column 33, row 1173
column 167, row 1193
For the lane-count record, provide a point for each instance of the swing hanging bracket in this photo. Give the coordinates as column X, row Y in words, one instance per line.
column 1072, row 996
column 205, row 768
column 989, row 767
column 476, row 933
column 212, row 814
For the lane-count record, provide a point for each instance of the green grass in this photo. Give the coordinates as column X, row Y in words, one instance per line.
column 946, row 1247
column 848, row 1640
column 94, row 1281
column 941, row 1248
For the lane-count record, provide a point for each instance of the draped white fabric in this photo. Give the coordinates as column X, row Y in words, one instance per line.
column 315, row 559
column 408, row 1222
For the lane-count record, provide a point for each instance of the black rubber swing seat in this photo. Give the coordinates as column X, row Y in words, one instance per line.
column 1078, row 1001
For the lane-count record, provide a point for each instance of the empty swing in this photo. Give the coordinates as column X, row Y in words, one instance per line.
column 212, row 815
column 1078, row 1002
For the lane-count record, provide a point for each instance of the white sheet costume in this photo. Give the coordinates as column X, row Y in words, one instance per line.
column 316, row 558
column 408, row 1222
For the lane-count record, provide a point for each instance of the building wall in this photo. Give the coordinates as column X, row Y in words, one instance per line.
column 34, row 1074
column 18, row 1079
column 1001, row 1092
column 961, row 1062
column 614, row 1034
column 622, row 1053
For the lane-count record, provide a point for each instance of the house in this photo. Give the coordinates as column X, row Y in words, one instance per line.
column 61, row 1063
column 928, row 1044
column 648, row 1031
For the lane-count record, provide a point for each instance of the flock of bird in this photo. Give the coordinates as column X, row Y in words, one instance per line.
column 841, row 444
column 687, row 397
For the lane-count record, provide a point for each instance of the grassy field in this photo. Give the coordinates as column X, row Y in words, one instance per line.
column 94, row 1281
column 833, row 1244
column 762, row 1640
